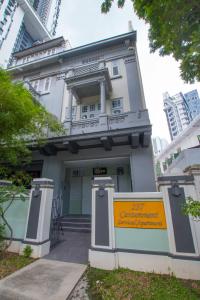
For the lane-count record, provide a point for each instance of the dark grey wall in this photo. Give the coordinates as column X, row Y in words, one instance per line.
column 34, row 214
column 134, row 84
column 101, row 218
column 142, row 170
column 181, row 224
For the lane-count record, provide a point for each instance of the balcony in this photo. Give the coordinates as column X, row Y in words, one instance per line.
column 132, row 129
column 108, row 123
column 85, row 81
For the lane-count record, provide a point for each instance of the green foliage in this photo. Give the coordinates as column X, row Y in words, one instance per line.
column 192, row 208
column 27, row 251
column 174, row 30
column 23, row 121
column 2, row 235
column 11, row 262
column 127, row 284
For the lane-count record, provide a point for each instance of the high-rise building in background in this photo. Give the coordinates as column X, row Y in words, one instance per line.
column 159, row 145
column 177, row 113
column 25, row 22
column 193, row 101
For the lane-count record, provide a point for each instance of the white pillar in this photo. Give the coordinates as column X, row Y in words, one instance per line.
column 103, row 96
column 69, row 113
column 37, row 233
column 101, row 254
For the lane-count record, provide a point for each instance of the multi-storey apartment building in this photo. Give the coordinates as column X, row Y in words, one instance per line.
column 193, row 101
column 177, row 113
column 24, row 22
column 96, row 91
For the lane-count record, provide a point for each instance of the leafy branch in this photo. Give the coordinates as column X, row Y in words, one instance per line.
column 174, row 30
column 192, row 207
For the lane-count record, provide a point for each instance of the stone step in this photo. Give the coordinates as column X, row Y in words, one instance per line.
column 76, row 229
column 75, row 224
column 75, row 220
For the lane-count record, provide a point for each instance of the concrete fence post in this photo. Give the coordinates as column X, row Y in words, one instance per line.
column 183, row 231
column 39, row 217
column 103, row 240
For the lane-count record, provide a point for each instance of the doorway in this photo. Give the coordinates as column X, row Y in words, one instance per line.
column 78, row 182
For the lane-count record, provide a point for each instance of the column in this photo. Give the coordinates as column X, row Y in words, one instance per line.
column 69, row 113
column 183, row 231
column 37, row 233
column 103, row 96
column 101, row 254
column 142, row 170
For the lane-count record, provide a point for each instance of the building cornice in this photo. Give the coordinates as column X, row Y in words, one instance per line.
column 99, row 45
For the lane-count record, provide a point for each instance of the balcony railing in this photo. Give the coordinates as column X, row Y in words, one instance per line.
column 84, row 70
column 107, row 123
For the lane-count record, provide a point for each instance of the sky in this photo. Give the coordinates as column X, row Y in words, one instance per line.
column 81, row 22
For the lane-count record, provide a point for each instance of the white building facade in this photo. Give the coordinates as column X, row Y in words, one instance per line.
column 189, row 138
column 24, row 22
column 96, row 92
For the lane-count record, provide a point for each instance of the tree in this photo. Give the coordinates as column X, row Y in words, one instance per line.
column 192, row 207
column 23, row 121
column 174, row 29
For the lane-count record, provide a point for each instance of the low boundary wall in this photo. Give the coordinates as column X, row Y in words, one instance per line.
column 145, row 231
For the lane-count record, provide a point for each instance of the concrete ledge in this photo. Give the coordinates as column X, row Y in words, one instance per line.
column 176, row 178
column 161, row 264
column 102, row 260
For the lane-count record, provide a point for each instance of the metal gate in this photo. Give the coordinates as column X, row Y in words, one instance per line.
column 56, row 230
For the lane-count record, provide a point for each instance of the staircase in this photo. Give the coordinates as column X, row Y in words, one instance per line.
column 76, row 223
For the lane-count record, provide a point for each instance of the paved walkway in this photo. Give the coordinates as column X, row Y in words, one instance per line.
column 42, row 280
column 73, row 248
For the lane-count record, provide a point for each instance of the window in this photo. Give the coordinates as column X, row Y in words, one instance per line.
column 99, row 106
column 47, row 83
column 84, row 116
column 92, row 107
column 116, row 103
column 84, row 108
column 115, row 68
column 117, row 106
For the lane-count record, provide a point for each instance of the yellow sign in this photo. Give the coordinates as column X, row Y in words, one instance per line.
column 140, row 214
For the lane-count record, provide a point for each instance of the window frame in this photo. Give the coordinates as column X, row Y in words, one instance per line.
column 115, row 64
column 45, row 91
column 119, row 108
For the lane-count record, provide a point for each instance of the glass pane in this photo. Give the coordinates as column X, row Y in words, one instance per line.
column 84, row 108
column 92, row 107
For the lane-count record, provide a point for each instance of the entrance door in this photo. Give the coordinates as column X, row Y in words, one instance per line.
column 75, row 206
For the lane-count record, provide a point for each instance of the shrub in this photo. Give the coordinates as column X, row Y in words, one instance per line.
column 27, row 251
